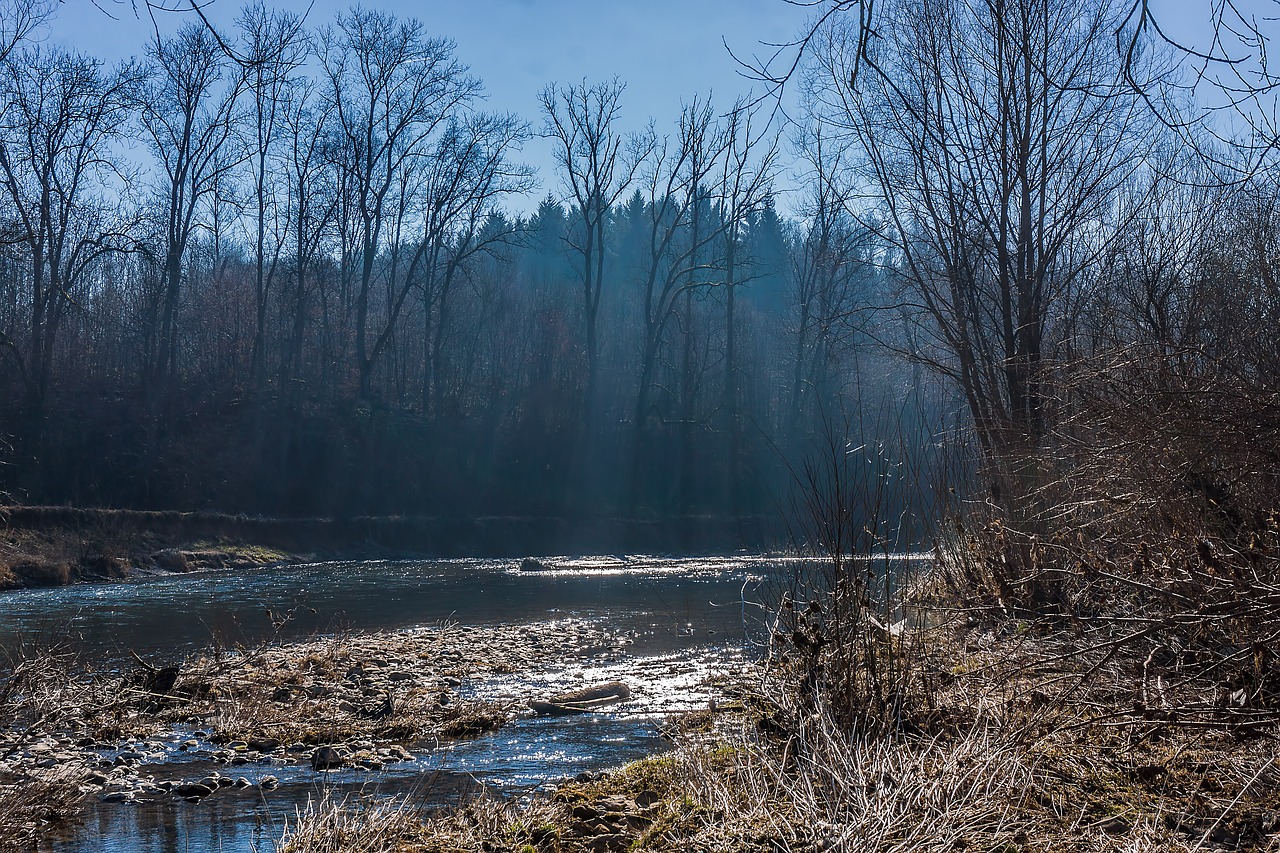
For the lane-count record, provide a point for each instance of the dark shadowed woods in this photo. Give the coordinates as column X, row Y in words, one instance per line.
column 303, row 287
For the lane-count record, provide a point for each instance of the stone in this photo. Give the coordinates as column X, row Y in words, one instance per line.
column 327, row 758
column 268, row 783
column 647, row 799
column 173, row 561
column 264, row 744
column 191, row 790
column 609, row 842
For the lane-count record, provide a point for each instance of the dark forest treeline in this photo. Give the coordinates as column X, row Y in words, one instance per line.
column 283, row 276
column 281, row 271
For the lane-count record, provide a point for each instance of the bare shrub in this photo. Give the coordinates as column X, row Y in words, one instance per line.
column 846, row 639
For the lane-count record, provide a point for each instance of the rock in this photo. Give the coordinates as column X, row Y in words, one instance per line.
column 242, row 783
column 327, row 758
column 617, row 804
column 585, row 811
column 117, row 797
column 268, row 783
column 647, row 799
column 282, row 694
column 609, row 842
column 1223, row 837
column 191, row 790
column 583, row 700
column 264, row 744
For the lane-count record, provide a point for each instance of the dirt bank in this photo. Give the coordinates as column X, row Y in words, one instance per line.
column 51, row 546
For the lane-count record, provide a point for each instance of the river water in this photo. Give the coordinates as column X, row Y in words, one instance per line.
column 684, row 619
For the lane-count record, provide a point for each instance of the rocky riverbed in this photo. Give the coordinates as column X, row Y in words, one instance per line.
column 229, row 720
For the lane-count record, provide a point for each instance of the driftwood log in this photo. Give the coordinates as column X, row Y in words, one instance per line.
column 583, row 700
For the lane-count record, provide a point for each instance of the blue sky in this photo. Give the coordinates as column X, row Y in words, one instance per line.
column 665, row 50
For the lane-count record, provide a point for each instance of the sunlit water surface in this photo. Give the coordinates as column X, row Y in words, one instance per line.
column 687, row 619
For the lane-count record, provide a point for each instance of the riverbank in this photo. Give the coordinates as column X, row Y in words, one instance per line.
column 54, row 546
column 1017, row 736
column 1031, row 741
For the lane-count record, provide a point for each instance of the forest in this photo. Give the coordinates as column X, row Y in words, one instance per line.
column 288, row 274
column 295, row 268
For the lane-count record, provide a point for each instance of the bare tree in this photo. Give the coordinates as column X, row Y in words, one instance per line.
column 597, row 165
column 274, row 49
column 675, row 191
column 61, row 116
column 188, row 112
column 18, row 19
column 465, row 178
column 313, row 200
column 829, row 279
column 745, row 187
column 996, row 136
column 392, row 89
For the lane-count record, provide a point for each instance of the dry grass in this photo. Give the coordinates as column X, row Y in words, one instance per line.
column 1024, row 739
column 30, row 804
column 385, row 825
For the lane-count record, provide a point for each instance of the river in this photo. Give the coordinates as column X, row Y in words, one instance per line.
column 682, row 619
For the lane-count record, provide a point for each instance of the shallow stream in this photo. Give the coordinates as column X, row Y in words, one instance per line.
column 677, row 621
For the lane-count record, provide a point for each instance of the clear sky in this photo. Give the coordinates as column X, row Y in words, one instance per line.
column 665, row 50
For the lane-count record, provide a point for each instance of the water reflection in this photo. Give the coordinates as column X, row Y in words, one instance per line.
column 171, row 615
